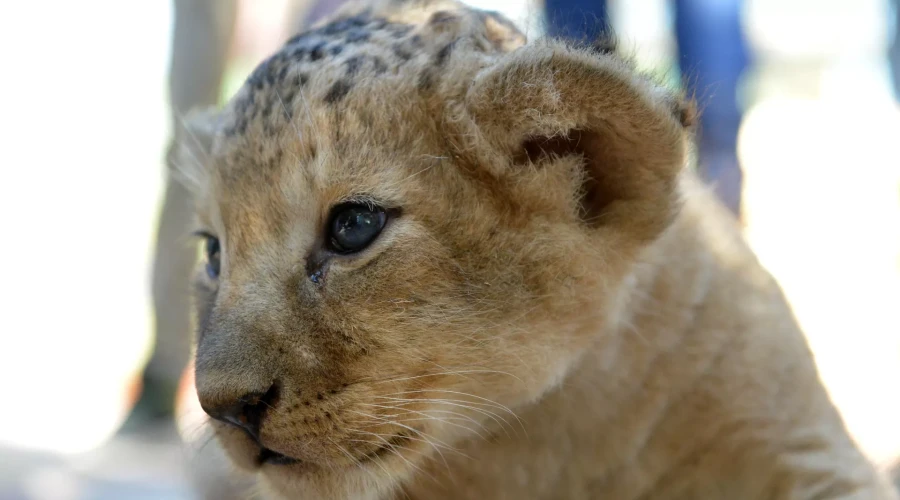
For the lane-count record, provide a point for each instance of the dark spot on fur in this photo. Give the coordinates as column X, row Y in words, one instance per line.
column 296, row 38
column 272, row 115
column 426, row 81
column 317, row 51
column 416, row 41
column 357, row 35
column 401, row 52
column 400, row 31
column 273, row 72
column 239, row 128
column 336, row 49
column 353, row 64
column 441, row 57
column 346, row 24
column 442, row 17
column 306, row 403
column 380, row 66
column 319, row 396
column 338, row 91
column 252, row 112
column 328, row 415
column 297, row 54
column 288, row 99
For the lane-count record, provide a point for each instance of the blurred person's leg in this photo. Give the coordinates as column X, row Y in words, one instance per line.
column 712, row 56
column 581, row 20
column 202, row 34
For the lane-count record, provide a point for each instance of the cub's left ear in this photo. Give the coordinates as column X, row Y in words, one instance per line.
column 543, row 103
column 190, row 152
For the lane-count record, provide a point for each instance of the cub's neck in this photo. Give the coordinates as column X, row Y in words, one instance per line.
column 700, row 385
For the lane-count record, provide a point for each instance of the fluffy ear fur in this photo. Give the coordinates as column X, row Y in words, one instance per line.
column 189, row 156
column 554, row 101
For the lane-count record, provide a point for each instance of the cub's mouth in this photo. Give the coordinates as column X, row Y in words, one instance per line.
column 268, row 456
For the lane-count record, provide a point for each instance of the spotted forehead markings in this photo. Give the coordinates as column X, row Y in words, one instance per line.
column 267, row 97
column 269, row 88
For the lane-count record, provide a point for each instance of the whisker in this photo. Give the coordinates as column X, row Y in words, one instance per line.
column 356, row 460
column 393, row 449
column 486, row 401
column 399, row 424
column 493, row 416
column 445, row 421
column 438, row 374
column 413, row 438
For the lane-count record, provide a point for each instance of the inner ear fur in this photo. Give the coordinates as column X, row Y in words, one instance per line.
column 549, row 101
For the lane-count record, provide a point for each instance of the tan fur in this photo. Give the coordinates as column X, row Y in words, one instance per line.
column 560, row 310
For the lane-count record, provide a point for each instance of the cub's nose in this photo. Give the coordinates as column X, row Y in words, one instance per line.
column 246, row 412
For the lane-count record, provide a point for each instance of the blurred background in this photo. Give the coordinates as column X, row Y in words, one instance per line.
column 801, row 137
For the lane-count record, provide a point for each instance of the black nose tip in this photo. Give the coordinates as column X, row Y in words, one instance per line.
column 247, row 412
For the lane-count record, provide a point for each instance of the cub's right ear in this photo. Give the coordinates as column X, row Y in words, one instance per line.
column 190, row 152
column 548, row 102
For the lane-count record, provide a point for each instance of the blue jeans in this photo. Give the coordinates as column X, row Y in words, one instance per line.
column 712, row 55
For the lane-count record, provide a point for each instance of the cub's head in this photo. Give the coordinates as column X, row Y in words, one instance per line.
column 414, row 223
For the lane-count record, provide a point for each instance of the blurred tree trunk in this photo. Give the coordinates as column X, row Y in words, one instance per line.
column 203, row 30
column 202, row 35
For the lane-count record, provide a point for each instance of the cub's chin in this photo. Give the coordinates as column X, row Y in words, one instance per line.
column 352, row 483
column 366, row 479
column 360, row 472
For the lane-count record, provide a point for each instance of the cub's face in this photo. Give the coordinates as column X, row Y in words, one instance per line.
column 397, row 270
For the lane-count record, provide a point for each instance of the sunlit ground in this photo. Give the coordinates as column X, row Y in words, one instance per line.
column 81, row 178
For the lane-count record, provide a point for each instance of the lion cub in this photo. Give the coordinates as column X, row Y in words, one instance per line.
column 444, row 263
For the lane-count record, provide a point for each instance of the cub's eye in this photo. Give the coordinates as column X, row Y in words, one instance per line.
column 213, row 256
column 354, row 226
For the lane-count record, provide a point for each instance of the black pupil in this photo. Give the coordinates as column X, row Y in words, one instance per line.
column 212, row 257
column 355, row 226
